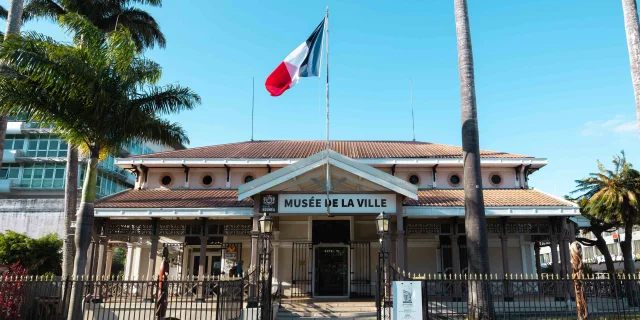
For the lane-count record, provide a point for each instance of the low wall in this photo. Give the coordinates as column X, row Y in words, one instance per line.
column 35, row 217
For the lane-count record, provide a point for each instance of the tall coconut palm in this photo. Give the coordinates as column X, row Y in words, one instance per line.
column 105, row 15
column 14, row 21
column 630, row 10
column 101, row 96
column 613, row 198
column 480, row 302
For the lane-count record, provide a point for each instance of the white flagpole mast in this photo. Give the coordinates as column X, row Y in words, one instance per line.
column 328, row 186
column 253, row 100
column 413, row 120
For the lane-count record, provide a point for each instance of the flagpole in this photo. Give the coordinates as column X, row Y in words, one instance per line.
column 326, row 30
column 253, row 100
column 413, row 119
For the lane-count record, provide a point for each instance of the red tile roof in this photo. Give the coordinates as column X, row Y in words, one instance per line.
column 159, row 198
column 492, row 198
column 297, row 149
column 229, row 198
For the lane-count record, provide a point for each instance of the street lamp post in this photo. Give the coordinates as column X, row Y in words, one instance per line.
column 382, row 227
column 266, row 227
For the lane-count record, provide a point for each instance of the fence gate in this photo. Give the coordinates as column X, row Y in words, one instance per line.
column 360, row 269
column 301, row 269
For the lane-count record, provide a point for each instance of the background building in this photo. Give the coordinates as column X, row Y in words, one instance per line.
column 32, row 178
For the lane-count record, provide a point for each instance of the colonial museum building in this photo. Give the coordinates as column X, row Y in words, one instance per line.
column 204, row 205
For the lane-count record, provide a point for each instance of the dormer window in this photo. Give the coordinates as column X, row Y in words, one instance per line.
column 495, row 179
column 454, row 179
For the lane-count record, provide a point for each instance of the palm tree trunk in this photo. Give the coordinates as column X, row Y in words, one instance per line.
column 601, row 244
column 629, row 264
column 84, row 230
column 630, row 10
column 70, row 204
column 480, row 304
column 14, row 21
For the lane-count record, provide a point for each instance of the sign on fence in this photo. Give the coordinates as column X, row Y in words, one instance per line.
column 407, row 300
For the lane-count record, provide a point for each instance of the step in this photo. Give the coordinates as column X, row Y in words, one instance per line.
column 338, row 310
column 327, row 304
column 311, row 307
column 315, row 315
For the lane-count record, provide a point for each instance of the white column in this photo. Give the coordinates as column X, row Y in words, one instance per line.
column 438, row 262
column 310, row 229
column 127, row 267
column 532, row 254
column 109, row 261
column 276, row 254
column 523, row 252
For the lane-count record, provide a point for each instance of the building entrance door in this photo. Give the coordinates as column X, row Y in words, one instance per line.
column 331, row 271
column 212, row 264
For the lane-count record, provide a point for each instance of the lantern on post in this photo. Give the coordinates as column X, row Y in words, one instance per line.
column 266, row 224
column 382, row 223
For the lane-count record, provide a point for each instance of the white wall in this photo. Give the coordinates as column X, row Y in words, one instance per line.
column 236, row 177
column 422, row 259
column 508, row 177
column 35, row 217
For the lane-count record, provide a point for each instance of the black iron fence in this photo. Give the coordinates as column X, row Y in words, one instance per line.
column 515, row 297
column 210, row 298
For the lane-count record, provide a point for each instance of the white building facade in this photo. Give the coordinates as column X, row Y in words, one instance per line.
column 204, row 205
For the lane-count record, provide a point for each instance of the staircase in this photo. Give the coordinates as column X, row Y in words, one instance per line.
column 319, row 308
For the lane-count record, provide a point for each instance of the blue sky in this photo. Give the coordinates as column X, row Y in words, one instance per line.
column 552, row 77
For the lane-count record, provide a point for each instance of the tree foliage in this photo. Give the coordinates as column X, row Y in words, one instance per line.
column 13, row 292
column 38, row 256
column 105, row 15
column 612, row 195
column 86, row 87
column 119, row 259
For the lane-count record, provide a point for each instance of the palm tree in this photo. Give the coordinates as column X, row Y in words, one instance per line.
column 480, row 302
column 105, row 15
column 613, row 198
column 100, row 96
column 14, row 21
column 630, row 10
column 597, row 227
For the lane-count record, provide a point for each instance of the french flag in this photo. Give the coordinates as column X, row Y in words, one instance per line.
column 304, row 61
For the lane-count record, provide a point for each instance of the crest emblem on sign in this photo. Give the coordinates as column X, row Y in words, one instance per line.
column 269, row 199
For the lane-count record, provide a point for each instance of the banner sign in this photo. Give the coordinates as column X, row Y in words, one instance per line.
column 339, row 203
column 407, row 300
column 269, row 203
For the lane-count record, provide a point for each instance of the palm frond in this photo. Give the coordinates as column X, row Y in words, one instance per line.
column 144, row 29
column 84, row 32
column 155, row 3
column 162, row 132
column 41, row 58
column 166, row 100
column 47, row 9
column 3, row 13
